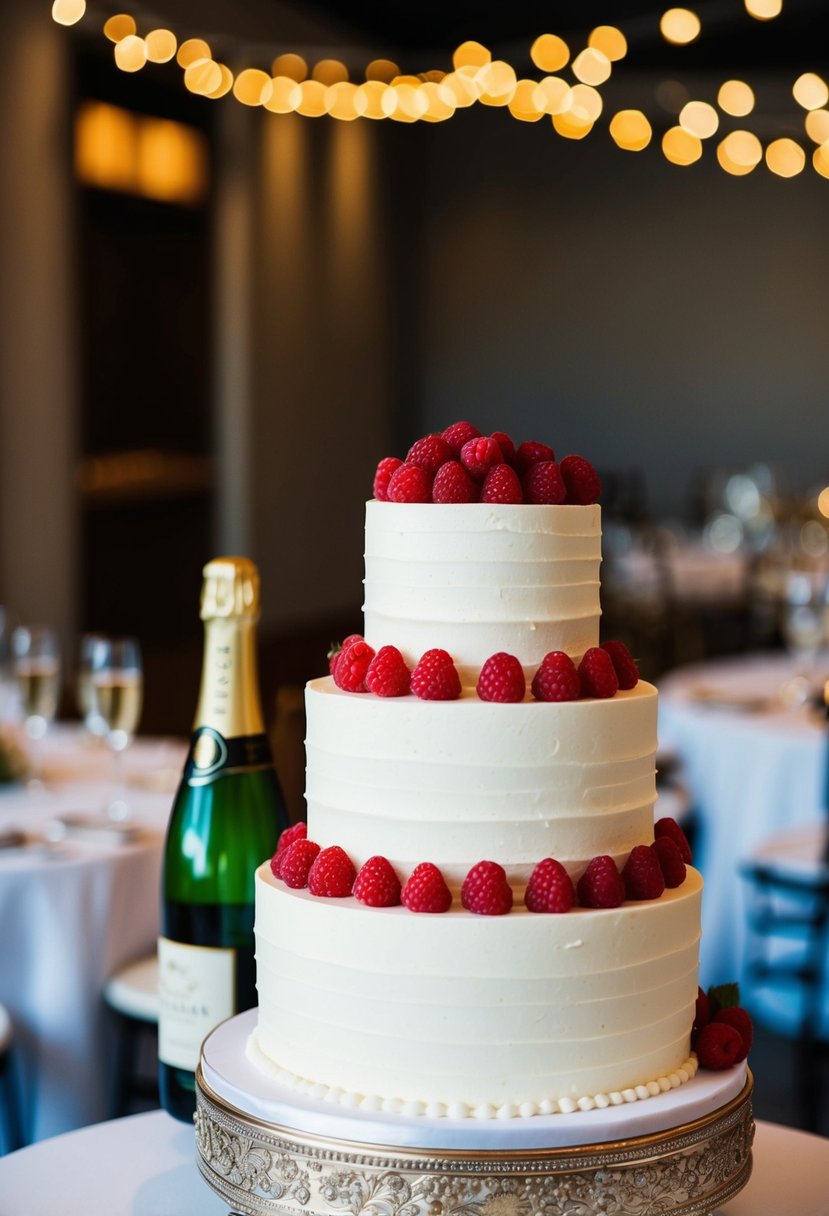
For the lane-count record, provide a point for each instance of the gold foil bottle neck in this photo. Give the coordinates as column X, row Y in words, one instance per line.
column 230, row 589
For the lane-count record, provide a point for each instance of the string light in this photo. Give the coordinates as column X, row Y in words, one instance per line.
column 810, row 91
column 528, row 103
column 817, row 125
column 290, row 65
column 312, row 99
column 329, row 72
column 471, row 55
column 202, row 76
column 68, row 12
column 680, row 26
column 572, row 124
column 131, row 53
column 285, row 95
column 610, row 41
column 680, row 147
column 584, row 98
column 699, row 118
column 555, row 93
column 345, row 102
column 550, row 53
column 191, row 50
column 739, row 152
column 764, row 10
column 226, row 83
column 498, row 83
column 591, row 67
column 785, row 157
column 735, row 97
column 441, row 102
column 631, row 130
column 161, row 46
column 119, row 26
column 820, row 160
column 383, row 70
column 381, row 99
column 253, row 87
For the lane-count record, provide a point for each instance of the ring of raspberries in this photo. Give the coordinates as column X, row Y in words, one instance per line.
column 358, row 667
column 460, row 465
column 301, row 863
column 722, row 1032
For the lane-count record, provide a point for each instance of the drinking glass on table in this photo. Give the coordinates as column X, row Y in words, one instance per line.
column 36, row 669
column 117, row 693
column 94, row 723
column 804, row 624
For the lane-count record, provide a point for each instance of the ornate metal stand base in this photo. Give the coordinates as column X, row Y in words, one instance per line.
column 262, row 1168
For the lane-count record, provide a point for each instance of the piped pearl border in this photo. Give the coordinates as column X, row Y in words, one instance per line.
column 461, row 1110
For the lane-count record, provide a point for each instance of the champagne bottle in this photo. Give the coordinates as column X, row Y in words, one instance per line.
column 225, row 821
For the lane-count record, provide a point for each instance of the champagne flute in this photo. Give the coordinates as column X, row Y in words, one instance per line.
column 803, row 626
column 94, row 723
column 117, row 692
column 36, row 668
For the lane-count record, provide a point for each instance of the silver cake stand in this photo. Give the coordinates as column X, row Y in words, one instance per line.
column 266, row 1150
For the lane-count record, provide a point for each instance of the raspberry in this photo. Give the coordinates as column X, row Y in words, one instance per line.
column 458, row 434
column 332, row 873
column 550, row 888
column 352, row 666
column 739, row 1019
column 531, row 452
column 435, row 678
column 557, row 678
column 479, row 455
column 542, row 483
column 298, row 831
column 581, row 480
column 501, row 679
column 486, row 891
column 425, row 890
column 430, row 452
column 601, row 886
column 718, row 1046
column 702, row 1014
column 623, row 662
column 453, row 484
column 383, row 476
column 410, row 483
column 377, row 884
column 336, row 649
column 501, row 484
column 293, row 865
column 597, row 674
column 388, row 674
column 669, row 827
column 670, row 861
column 642, row 875
column 506, row 445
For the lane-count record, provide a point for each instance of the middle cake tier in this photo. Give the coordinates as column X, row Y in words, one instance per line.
column 455, row 782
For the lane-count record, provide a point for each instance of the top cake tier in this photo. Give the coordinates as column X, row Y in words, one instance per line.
column 478, row 578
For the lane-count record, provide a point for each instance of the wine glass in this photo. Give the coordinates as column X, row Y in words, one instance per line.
column 94, row 723
column 36, row 669
column 117, row 692
column 803, row 624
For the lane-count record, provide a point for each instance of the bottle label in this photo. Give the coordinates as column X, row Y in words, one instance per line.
column 212, row 756
column 196, row 987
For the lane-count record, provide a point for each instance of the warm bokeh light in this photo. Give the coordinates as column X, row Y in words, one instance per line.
column 412, row 102
column 591, row 66
column 631, row 130
column 192, row 49
column 810, row 91
column 131, row 53
column 253, row 87
column 574, row 124
column 587, row 100
column 105, row 146
column 120, row 26
column 226, row 83
column 329, row 72
column 345, row 102
column 785, row 157
column 739, row 152
column 679, row 25
column 528, row 102
column 410, row 78
column 313, row 99
column 383, row 70
column 680, row 147
column 463, row 86
column 735, row 97
column 820, row 160
column 381, row 99
column 171, row 161
column 549, row 53
column 699, row 118
column 554, row 93
column 764, row 10
column 440, row 102
column 202, row 76
column 471, row 55
column 817, row 125
column 161, row 45
column 290, row 65
column 498, row 83
column 610, row 41
column 823, row 502
column 284, row 97
column 68, row 12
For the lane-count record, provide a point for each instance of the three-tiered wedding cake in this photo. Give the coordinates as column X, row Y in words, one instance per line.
column 461, row 1013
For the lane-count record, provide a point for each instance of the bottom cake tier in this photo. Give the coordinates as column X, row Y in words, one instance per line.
column 461, row 1015
column 264, row 1149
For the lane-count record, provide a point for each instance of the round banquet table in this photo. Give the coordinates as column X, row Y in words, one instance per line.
column 72, row 912
column 754, row 768
column 145, row 1165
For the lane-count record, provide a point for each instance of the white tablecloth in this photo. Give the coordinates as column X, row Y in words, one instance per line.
column 71, row 915
column 145, row 1166
column 754, row 769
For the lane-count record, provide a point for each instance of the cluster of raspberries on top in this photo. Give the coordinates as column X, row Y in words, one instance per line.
column 462, row 465
column 330, row 873
column 357, row 667
column 722, row 1032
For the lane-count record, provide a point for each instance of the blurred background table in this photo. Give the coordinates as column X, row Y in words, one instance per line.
column 754, row 768
column 72, row 912
column 146, row 1165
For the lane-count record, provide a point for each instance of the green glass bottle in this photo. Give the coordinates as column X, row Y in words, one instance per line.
column 225, row 821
